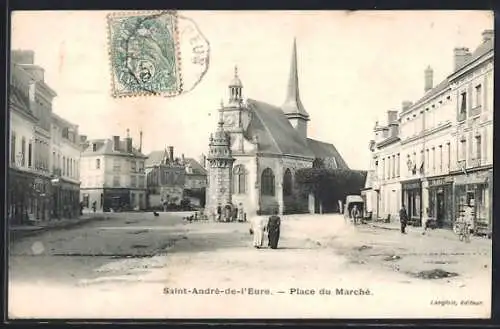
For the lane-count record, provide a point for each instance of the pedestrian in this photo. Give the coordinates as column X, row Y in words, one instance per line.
column 235, row 214
column 355, row 214
column 241, row 213
column 403, row 218
column 273, row 230
column 469, row 217
column 94, row 206
column 257, row 229
column 219, row 212
column 81, row 208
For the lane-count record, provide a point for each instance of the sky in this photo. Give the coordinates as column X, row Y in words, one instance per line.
column 353, row 67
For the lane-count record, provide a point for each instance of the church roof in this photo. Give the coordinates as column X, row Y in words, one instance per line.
column 324, row 150
column 276, row 135
column 274, row 132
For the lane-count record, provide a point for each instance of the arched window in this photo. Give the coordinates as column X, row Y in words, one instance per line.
column 287, row 182
column 239, row 179
column 267, row 182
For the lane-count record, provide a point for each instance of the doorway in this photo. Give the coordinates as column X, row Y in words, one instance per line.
column 440, row 209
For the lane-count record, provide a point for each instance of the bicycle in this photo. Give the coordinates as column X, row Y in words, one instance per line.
column 463, row 231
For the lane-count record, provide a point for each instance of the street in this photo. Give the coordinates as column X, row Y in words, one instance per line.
column 136, row 265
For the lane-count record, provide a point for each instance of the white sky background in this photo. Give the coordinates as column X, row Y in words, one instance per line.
column 353, row 67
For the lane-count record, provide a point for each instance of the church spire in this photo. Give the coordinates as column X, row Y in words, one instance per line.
column 293, row 106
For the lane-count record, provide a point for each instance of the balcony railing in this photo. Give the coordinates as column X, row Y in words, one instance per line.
column 56, row 172
column 475, row 163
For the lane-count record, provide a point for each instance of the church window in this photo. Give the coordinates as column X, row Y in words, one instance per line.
column 267, row 182
column 287, row 182
column 239, row 179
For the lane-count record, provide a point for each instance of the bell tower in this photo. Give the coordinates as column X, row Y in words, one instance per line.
column 235, row 90
column 220, row 167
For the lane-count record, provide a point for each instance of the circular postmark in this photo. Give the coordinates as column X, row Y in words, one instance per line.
column 155, row 53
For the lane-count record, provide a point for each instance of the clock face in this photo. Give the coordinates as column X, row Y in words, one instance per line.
column 230, row 119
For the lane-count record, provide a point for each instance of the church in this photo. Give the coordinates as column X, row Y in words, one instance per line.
column 257, row 148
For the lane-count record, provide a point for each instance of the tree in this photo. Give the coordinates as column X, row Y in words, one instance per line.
column 330, row 185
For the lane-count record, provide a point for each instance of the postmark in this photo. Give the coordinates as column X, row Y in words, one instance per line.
column 155, row 53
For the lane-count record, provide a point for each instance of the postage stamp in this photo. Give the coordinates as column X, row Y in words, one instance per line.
column 144, row 54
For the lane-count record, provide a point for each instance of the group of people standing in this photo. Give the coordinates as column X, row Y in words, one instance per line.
column 271, row 225
column 230, row 214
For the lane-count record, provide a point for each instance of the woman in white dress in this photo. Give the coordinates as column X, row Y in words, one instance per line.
column 258, row 227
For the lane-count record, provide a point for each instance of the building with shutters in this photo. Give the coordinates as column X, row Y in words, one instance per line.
column 112, row 172
column 445, row 147
column 30, row 110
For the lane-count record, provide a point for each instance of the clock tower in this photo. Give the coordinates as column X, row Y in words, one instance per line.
column 234, row 114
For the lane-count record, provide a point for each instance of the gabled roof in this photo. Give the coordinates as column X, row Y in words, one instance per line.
column 196, row 166
column 105, row 147
column 155, row 158
column 324, row 150
column 275, row 133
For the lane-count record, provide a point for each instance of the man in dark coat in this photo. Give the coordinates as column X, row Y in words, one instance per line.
column 219, row 212
column 273, row 230
column 403, row 218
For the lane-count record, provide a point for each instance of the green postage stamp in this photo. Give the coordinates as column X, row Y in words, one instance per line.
column 145, row 54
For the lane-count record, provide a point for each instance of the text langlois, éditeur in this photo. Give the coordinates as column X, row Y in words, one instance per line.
column 266, row 291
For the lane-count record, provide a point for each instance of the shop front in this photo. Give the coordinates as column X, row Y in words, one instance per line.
column 116, row 199
column 475, row 189
column 441, row 201
column 28, row 198
column 412, row 199
column 65, row 199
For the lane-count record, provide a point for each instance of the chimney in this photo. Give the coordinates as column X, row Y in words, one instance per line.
column 171, row 153
column 83, row 138
column 140, row 141
column 116, row 143
column 488, row 35
column 405, row 105
column 461, row 55
column 392, row 117
column 22, row 56
column 36, row 72
column 428, row 78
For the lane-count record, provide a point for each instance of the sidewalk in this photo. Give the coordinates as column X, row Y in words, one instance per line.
column 20, row 231
column 441, row 233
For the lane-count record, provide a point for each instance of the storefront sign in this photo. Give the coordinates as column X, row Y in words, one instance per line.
column 440, row 181
column 473, row 178
column 411, row 186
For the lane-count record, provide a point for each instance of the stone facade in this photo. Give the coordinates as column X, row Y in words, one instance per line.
column 257, row 149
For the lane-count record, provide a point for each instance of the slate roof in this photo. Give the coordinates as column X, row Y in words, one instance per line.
column 105, row 147
column 324, row 150
column 196, row 166
column 156, row 157
column 443, row 85
column 481, row 50
column 276, row 135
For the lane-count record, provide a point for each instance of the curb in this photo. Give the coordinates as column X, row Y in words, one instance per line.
column 15, row 235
